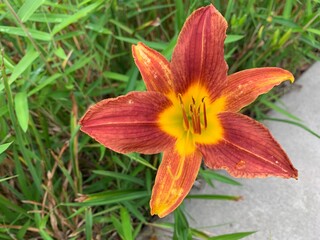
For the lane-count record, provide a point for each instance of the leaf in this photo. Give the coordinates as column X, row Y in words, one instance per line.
column 7, row 178
column 38, row 35
column 232, row 38
column 88, row 223
column 28, row 8
column 232, row 236
column 275, row 107
column 24, row 63
column 46, row 17
column 215, row 197
column 213, row 175
column 110, row 197
column 4, row 146
column 136, row 157
column 155, row 45
column 116, row 76
column 120, row 176
column 313, row 30
column 181, row 225
column 126, row 224
column 22, row 110
column 59, row 52
column 75, row 17
column 44, row 83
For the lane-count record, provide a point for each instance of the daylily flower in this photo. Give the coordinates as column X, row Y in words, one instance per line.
column 189, row 112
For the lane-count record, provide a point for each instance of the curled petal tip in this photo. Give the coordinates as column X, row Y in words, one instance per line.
column 286, row 73
column 295, row 174
column 291, row 77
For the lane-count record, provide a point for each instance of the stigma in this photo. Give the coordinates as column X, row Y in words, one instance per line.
column 194, row 115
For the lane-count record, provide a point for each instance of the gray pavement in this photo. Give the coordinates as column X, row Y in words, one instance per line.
column 278, row 209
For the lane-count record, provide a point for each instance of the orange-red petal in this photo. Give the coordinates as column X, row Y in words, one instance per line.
column 199, row 54
column 174, row 180
column 128, row 123
column 245, row 86
column 247, row 150
column 154, row 68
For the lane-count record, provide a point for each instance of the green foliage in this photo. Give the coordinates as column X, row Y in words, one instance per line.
column 58, row 58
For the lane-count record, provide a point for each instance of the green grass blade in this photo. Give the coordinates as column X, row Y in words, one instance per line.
column 7, row 178
column 279, row 109
column 116, row 76
column 127, row 228
column 233, row 38
column 232, row 236
column 76, row 17
column 22, row 110
column 24, row 63
column 110, row 197
column 298, row 124
column 214, row 197
column 35, row 34
column 216, row 176
column 287, row 9
column 121, row 176
column 28, row 8
column 117, row 225
column 4, row 147
column 180, row 15
column 155, row 45
column 45, row 82
column 181, row 225
column 89, row 223
column 22, row 232
column 136, row 157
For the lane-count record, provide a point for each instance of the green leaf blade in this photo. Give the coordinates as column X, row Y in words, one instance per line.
column 22, row 110
column 232, row 236
column 5, row 146
column 28, row 8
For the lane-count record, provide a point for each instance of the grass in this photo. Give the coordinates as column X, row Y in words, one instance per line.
column 58, row 58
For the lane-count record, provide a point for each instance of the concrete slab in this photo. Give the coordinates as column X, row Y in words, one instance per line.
column 278, row 209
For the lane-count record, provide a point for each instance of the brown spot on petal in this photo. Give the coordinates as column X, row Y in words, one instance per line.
column 241, row 164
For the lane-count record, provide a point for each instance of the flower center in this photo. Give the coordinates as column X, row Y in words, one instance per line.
column 196, row 116
column 192, row 119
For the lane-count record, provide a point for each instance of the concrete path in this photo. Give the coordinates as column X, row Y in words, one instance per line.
column 279, row 209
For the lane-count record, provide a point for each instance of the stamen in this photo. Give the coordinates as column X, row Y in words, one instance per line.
column 204, row 114
column 198, row 121
column 194, row 123
column 194, row 115
column 184, row 114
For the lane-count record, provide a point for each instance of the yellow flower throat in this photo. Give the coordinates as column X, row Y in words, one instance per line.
column 192, row 119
